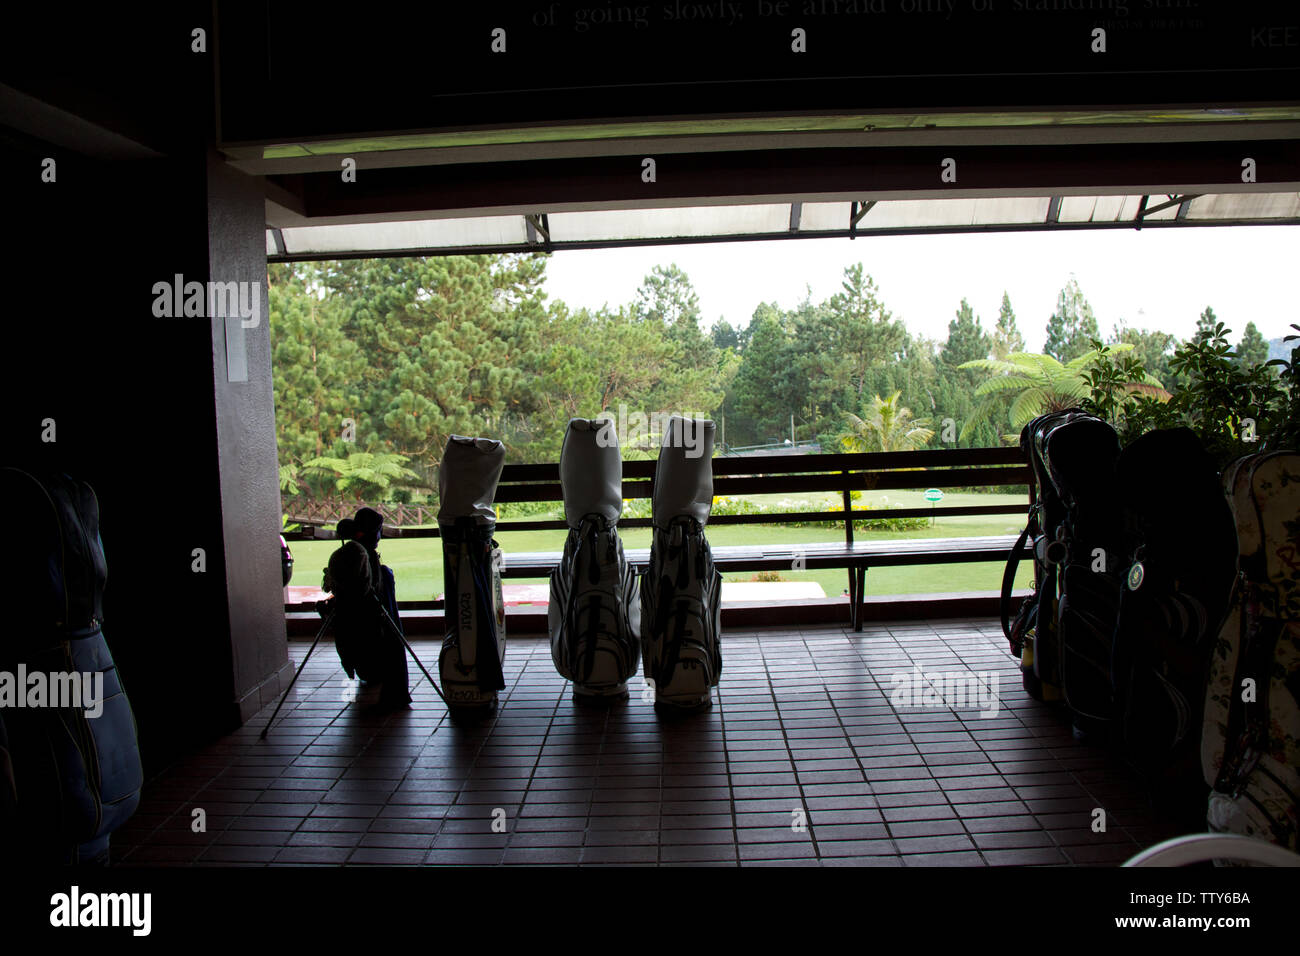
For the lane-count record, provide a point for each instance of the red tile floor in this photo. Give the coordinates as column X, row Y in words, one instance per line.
column 802, row 761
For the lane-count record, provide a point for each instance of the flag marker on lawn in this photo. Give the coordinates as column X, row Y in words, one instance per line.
column 933, row 495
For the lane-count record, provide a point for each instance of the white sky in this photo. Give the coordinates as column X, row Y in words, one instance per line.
column 1155, row 278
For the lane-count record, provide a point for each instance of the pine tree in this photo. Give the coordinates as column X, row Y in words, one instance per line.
column 1006, row 337
column 1072, row 326
column 318, row 372
column 764, row 388
column 967, row 340
column 1205, row 325
column 724, row 335
column 451, row 344
column 695, row 378
column 1253, row 349
column 846, row 336
column 666, row 295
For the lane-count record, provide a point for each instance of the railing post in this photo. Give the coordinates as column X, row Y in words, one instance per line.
column 848, row 511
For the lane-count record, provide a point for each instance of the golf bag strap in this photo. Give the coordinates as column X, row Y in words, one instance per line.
column 1009, row 579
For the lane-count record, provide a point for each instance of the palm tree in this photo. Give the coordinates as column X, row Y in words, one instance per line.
column 289, row 479
column 888, row 427
column 1036, row 384
column 364, row 475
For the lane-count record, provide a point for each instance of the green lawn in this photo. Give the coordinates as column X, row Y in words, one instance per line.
column 417, row 562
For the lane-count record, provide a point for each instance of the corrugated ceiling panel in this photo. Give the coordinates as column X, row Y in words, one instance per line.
column 668, row 223
column 423, row 234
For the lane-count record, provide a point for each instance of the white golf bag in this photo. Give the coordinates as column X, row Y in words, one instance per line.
column 594, row 614
column 681, row 612
column 474, row 649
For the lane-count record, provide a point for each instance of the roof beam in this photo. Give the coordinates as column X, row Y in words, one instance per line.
column 761, row 176
column 1180, row 201
column 537, row 224
column 856, row 214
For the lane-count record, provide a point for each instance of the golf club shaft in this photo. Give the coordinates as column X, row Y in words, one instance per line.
column 402, row 637
column 298, row 673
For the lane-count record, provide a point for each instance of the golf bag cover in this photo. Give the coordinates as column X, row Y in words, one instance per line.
column 681, row 610
column 74, row 763
column 1178, row 577
column 475, row 646
column 1250, row 748
column 594, row 613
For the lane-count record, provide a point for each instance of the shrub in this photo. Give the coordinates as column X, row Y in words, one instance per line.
column 1212, row 393
column 741, row 506
column 528, row 509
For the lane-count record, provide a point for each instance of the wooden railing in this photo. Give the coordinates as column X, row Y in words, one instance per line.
column 777, row 474
column 311, row 511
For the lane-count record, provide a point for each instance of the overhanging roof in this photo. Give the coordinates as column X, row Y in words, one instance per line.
column 794, row 219
column 778, row 177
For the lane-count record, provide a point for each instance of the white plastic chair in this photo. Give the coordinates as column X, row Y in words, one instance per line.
column 1204, row 847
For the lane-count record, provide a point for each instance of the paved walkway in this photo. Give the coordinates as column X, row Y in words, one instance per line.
column 803, row 760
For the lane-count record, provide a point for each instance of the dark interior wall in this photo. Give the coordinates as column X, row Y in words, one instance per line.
column 180, row 457
column 245, row 420
column 133, row 407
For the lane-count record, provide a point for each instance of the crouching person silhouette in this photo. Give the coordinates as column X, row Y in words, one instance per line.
column 367, row 630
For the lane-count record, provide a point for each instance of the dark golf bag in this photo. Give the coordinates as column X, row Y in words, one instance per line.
column 367, row 634
column 681, row 591
column 1063, row 631
column 8, row 791
column 474, row 649
column 1181, row 560
column 1080, row 456
column 594, row 612
column 1251, row 735
column 75, row 763
column 1032, row 633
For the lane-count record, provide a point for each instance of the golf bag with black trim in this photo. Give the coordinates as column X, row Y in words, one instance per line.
column 1250, row 748
column 1181, row 560
column 594, row 614
column 681, row 591
column 74, row 769
column 474, row 648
